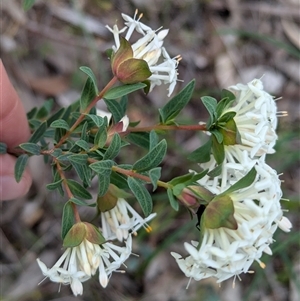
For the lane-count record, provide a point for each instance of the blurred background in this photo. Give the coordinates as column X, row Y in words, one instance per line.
column 222, row 43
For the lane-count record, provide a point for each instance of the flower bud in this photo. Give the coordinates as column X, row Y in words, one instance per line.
column 126, row 68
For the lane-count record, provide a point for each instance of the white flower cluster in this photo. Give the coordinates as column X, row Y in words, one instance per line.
column 79, row 263
column 224, row 253
column 256, row 117
column 149, row 48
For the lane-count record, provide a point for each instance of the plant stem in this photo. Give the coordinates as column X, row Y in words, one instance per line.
column 69, row 193
column 192, row 127
column 90, row 106
column 130, row 173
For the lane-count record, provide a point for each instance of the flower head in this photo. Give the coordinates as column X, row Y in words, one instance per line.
column 122, row 220
column 149, row 48
column 256, row 117
column 224, row 252
column 80, row 262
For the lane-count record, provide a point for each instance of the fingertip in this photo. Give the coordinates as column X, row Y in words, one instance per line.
column 9, row 188
column 14, row 127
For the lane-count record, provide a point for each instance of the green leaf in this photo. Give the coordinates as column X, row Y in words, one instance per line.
column 181, row 179
column 227, row 99
column 120, row 91
column 31, row 113
column 140, row 139
column 27, row 4
column 88, row 93
column 119, row 180
column 141, row 194
column 67, row 219
column 220, row 213
column 177, row 189
column 38, row 133
column 54, row 185
column 78, row 202
column 20, row 166
column 83, row 172
column 3, row 148
column 102, row 167
column 78, row 190
column 83, row 144
column 201, row 154
column 99, row 121
column 244, row 182
column 218, row 150
column 88, row 71
column 45, row 110
column 114, row 147
column 59, row 133
column 115, row 108
column 153, row 139
column 177, row 103
column 55, row 116
column 31, row 148
column 101, row 137
column 173, row 202
column 217, row 135
column 153, row 158
column 216, row 171
column 154, row 175
column 230, row 133
column 226, row 117
column 78, row 158
column 84, row 135
column 61, row 124
column 210, row 104
column 103, row 184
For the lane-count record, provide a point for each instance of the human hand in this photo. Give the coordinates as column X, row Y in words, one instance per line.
column 14, row 130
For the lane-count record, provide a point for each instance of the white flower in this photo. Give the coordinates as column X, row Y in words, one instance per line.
column 77, row 264
column 122, row 220
column 149, row 48
column 223, row 252
column 110, row 257
column 256, row 117
column 73, row 267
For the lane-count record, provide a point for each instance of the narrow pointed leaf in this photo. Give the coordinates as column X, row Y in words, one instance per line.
column 244, row 182
column 61, row 124
column 54, row 185
column 20, row 166
column 79, row 159
column 120, row 91
column 153, row 158
column 218, row 150
column 115, row 108
column 31, row 148
column 88, row 71
column 210, row 104
column 201, row 154
column 173, row 202
column 67, row 219
column 38, row 133
column 102, row 167
column 103, row 184
column 114, row 147
column 154, row 175
column 78, row 190
column 83, row 144
column 177, row 103
column 88, row 94
column 141, row 194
